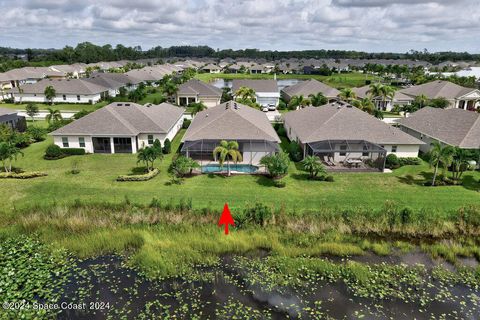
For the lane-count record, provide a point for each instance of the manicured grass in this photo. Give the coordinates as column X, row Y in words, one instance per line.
column 342, row 80
column 96, row 182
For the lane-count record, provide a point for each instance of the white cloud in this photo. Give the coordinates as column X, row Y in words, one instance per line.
column 370, row 25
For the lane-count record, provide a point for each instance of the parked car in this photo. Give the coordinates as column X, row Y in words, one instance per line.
column 264, row 108
column 271, row 107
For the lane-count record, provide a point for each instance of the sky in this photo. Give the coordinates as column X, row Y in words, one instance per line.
column 366, row 25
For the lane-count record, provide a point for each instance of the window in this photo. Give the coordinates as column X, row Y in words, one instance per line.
column 364, row 153
column 78, row 97
column 394, row 149
column 344, row 149
column 65, row 142
column 64, row 97
column 150, row 139
column 81, row 142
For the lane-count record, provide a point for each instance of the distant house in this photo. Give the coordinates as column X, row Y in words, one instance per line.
column 114, row 82
column 230, row 121
column 458, row 96
column 10, row 118
column 198, row 91
column 211, row 68
column 454, row 127
column 121, row 127
column 386, row 104
column 344, row 136
column 28, row 75
column 256, row 68
column 66, row 90
column 266, row 91
column 312, row 86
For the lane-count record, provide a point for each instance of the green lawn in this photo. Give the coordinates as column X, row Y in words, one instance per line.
column 96, row 182
column 342, row 80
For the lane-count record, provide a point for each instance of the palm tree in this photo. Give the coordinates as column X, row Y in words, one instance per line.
column 50, row 94
column 225, row 151
column 365, row 104
column 421, row 101
column 387, row 93
column 8, row 151
column 298, row 101
column 31, row 110
column 459, row 163
column 313, row 166
column 197, row 107
column 170, row 88
column 53, row 115
column 375, row 90
column 440, row 156
column 347, row 95
column 317, row 99
column 245, row 94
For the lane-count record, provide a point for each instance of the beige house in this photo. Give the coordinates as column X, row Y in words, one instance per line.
column 198, row 91
column 306, row 88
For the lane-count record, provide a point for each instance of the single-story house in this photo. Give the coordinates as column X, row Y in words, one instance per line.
column 114, row 81
column 198, row 91
column 458, row 96
column 66, row 91
column 399, row 98
column 454, row 127
column 121, row 127
column 343, row 136
column 230, row 121
column 266, row 91
column 11, row 118
column 211, row 68
column 306, row 88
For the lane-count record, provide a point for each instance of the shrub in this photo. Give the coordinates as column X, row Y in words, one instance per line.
column 58, row 124
column 36, row 133
column 80, row 114
column 280, row 183
column 392, row 161
column 167, row 147
column 413, row 161
column 186, row 123
column 258, row 214
column 22, row 140
column 277, row 164
column 22, row 175
column 53, row 152
column 329, row 179
column 139, row 177
column 73, row 151
column 294, row 151
column 281, row 131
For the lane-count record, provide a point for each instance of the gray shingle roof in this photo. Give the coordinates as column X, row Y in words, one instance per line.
column 222, row 123
column 308, row 87
column 336, row 122
column 256, row 85
column 125, row 118
column 455, row 127
column 363, row 92
column 200, row 88
column 438, row 89
column 63, row 86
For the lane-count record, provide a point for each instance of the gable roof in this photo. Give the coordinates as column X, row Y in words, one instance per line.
column 311, row 86
column 200, row 88
column 256, row 85
column 63, row 86
column 125, row 118
column 455, row 127
column 438, row 89
column 343, row 122
column 231, row 121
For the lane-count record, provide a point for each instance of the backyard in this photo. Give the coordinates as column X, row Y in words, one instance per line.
column 96, row 182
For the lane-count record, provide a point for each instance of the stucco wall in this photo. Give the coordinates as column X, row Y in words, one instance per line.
column 73, row 142
column 58, row 99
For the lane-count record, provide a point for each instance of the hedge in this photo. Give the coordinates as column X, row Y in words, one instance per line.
column 22, row 175
column 139, row 177
column 73, row 151
column 414, row 161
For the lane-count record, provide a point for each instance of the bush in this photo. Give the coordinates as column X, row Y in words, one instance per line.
column 139, row 177
column 294, row 151
column 22, row 140
column 22, row 175
column 167, row 147
column 53, row 152
column 329, row 179
column 414, row 161
column 392, row 161
column 58, row 124
column 73, row 151
column 258, row 214
column 36, row 133
column 281, row 131
column 280, row 183
column 186, row 123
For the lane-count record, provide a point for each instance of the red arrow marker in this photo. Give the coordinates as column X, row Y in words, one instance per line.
column 226, row 218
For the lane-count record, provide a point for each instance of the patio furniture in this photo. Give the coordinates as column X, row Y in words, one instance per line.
column 354, row 162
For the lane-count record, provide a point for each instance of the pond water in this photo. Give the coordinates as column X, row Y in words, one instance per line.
column 240, row 287
column 282, row 83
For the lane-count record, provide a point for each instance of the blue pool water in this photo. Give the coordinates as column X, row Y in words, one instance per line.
column 245, row 168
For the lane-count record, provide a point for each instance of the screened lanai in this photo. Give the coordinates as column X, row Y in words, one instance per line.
column 252, row 151
column 348, row 155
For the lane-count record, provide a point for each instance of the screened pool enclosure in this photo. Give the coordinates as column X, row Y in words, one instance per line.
column 348, row 155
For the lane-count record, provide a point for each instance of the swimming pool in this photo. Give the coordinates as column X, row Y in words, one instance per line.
column 244, row 168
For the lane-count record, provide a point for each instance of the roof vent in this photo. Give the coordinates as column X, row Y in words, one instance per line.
column 127, row 104
column 227, row 105
column 206, row 115
column 235, row 106
column 119, row 104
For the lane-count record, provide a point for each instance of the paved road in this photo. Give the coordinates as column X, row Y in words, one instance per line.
column 43, row 113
